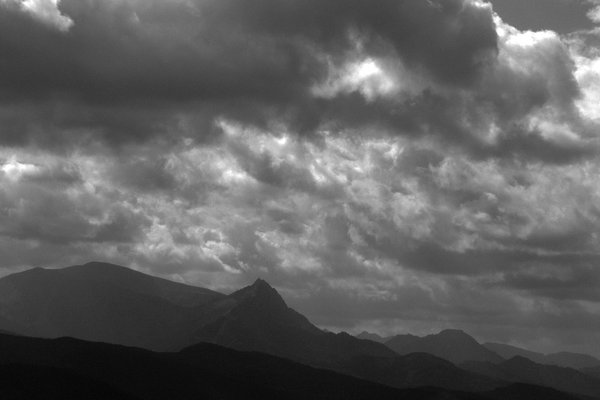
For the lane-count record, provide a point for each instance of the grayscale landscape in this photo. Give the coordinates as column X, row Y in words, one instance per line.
column 300, row 199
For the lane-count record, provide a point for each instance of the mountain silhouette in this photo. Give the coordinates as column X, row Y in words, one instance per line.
column 256, row 318
column 34, row 368
column 259, row 320
column 453, row 345
column 100, row 302
column 593, row 371
column 129, row 308
column 521, row 369
column 399, row 342
column 562, row 359
column 372, row 336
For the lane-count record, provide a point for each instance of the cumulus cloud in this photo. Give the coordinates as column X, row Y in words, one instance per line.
column 45, row 11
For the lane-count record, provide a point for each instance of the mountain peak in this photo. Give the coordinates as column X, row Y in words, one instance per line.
column 520, row 361
column 261, row 283
column 455, row 334
column 261, row 291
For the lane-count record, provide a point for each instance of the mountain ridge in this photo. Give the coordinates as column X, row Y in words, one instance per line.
column 106, row 371
column 453, row 345
column 522, row 369
column 561, row 359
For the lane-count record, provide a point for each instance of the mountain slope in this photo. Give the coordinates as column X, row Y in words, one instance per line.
column 452, row 345
column 521, row 369
column 100, row 302
column 256, row 318
column 202, row 371
column 68, row 368
column 31, row 382
column 562, row 359
column 593, row 371
column 399, row 342
column 572, row 360
column 372, row 336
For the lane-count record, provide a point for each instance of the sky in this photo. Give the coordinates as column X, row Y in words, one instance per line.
column 395, row 166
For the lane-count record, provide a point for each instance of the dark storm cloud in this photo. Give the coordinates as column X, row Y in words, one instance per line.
column 127, row 56
column 123, row 73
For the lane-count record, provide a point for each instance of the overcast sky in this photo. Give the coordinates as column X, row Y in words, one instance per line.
column 397, row 166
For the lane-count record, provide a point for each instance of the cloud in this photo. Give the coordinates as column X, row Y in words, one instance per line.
column 594, row 12
column 45, row 11
column 163, row 77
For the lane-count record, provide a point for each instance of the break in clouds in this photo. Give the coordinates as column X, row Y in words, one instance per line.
column 400, row 168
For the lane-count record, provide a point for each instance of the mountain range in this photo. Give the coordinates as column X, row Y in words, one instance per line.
column 561, row 359
column 49, row 369
column 136, row 315
column 451, row 344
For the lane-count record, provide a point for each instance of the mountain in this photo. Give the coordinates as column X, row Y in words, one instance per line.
column 32, row 382
column 562, row 359
column 106, row 303
column 593, row 371
column 418, row 370
column 257, row 319
column 453, row 345
column 521, row 369
column 205, row 371
column 572, row 360
column 399, row 342
column 49, row 369
column 523, row 391
column 372, row 336
column 101, row 302
column 507, row 352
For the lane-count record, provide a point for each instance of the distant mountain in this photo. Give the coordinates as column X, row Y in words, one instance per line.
column 507, row 352
column 562, row 359
column 593, row 371
column 572, row 360
column 51, row 369
column 372, row 336
column 453, row 345
column 400, row 342
column 521, row 369
column 523, row 391
column 101, row 302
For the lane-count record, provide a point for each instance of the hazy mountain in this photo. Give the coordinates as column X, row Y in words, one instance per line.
column 100, row 302
column 452, row 345
column 521, row 369
column 372, row 336
column 399, row 342
column 562, row 359
column 523, row 391
column 69, row 368
column 593, row 371
column 507, row 352
column 572, row 360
